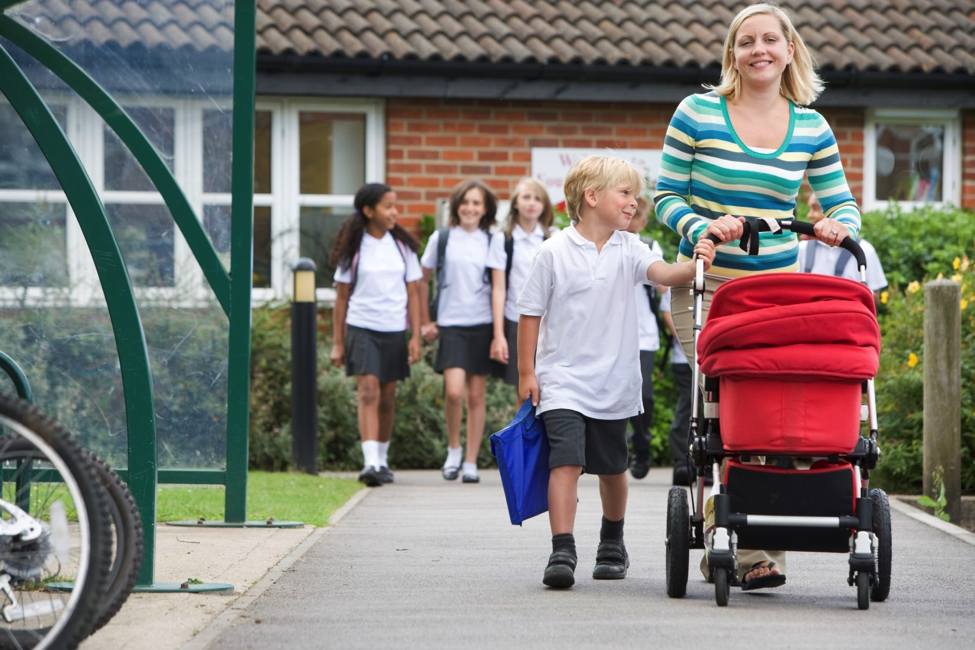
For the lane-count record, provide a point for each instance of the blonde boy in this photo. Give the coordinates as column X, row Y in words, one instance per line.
column 578, row 351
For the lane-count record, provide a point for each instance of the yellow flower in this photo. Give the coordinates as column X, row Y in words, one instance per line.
column 956, row 278
column 883, row 298
column 911, row 360
column 914, row 287
column 956, row 263
column 964, row 303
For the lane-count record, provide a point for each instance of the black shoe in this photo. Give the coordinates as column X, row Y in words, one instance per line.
column 385, row 474
column 560, row 572
column 612, row 560
column 370, row 476
column 470, row 478
column 450, row 473
column 639, row 468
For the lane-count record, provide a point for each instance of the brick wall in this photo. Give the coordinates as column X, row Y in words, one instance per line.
column 435, row 144
column 968, row 159
column 847, row 125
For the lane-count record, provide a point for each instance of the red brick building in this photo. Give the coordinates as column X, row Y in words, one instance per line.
column 461, row 89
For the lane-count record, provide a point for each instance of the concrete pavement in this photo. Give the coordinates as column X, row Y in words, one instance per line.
column 424, row 564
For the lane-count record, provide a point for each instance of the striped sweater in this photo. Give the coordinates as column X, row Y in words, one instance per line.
column 707, row 172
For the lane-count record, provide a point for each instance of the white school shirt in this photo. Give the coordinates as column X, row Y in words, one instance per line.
column 647, row 322
column 525, row 247
column 677, row 355
column 466, row 297
column 378, row 301
column 588, row 355
column 826, row 257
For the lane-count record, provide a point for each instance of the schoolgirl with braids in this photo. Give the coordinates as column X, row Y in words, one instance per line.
column 377, row 300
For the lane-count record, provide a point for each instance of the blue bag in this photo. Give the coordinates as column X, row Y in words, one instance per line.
column 522, row 452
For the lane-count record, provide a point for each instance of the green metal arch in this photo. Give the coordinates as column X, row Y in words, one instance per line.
column 126, row 323
column 130, row 134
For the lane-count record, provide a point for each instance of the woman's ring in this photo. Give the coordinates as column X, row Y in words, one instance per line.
column 833, row 232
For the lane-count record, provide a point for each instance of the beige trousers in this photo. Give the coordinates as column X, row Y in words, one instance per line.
column 682, row 306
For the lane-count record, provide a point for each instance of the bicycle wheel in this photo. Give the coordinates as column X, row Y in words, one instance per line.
column 53, row 528
column 127, row 541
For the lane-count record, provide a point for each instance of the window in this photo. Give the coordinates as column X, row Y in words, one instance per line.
column 310, row 158
column 911, row 157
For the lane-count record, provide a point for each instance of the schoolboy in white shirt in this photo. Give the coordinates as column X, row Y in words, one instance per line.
column 578, row 351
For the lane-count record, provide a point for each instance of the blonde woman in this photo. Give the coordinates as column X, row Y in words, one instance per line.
column 740, row 151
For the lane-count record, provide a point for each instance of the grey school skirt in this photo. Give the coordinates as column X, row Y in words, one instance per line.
column 468, row 348
column 382, row 354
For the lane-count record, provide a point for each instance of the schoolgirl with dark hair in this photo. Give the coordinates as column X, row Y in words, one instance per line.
column 377, row 301
column 458, row 255
column 529, row 224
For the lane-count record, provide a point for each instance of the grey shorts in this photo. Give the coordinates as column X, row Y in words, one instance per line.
column 599, row 446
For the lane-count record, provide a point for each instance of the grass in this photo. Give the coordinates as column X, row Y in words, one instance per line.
column 284, row 496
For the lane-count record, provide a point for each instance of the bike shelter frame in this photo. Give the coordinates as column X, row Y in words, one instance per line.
column 143, row 475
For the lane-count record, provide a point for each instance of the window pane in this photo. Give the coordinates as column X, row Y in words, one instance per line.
column 146, row 239
column 216, row 222
column 262, row 152
column 910, row 162
column 32, row 245
column 217, row 148
column 22, row 165
column 333, row 152
column 122, row 172
column 319, row 226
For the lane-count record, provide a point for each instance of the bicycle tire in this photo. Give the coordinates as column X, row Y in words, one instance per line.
column 49, row 618
column 127, row 542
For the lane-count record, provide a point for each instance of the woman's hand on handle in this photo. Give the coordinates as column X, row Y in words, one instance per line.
column 726, row 228
column 831, row 232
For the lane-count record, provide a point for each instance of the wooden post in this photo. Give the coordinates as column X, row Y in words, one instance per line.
column 942, row 391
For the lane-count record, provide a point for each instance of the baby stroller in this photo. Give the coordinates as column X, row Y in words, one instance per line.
column 787, row 358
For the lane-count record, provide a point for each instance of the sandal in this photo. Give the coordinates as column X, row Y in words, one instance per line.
column 612, row 560
column 769, row 581
column 560, row 572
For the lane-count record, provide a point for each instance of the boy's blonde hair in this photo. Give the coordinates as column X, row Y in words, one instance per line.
column 597, row 173
column 546, row 219
column 800, row 83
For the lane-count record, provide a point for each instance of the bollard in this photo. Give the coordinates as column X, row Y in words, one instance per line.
column 942, row 391
column 304, row 383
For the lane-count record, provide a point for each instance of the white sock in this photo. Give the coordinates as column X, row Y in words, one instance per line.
column 454, row 457
column 470, row 469
column 383, row 454
column 370, row 453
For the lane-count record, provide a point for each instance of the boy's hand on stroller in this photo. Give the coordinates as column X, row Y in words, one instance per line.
column 726, row 228
column 831, row 232
column 705, row 250
column 528, row 387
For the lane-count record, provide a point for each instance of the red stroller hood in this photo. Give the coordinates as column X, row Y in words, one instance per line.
column 791, row 326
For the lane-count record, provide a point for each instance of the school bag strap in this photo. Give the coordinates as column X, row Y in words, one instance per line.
column 355, row 264
column 509, row 252
column 841, row 261
column 442, row 235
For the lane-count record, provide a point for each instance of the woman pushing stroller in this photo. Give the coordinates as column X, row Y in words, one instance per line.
column 741, row 151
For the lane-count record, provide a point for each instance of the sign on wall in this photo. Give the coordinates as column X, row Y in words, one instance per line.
column 550, row 165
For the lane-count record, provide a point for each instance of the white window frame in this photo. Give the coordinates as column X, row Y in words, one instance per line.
column 85, row 130
column 950, row 182
column 286, row 199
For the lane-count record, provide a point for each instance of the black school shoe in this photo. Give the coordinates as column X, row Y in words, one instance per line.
column 560, row 572
column 370, row 476
column 612, row 560
column 640, row 468
column 385, row 474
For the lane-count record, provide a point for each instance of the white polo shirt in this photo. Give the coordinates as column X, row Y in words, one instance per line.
column 588, row 355
column 378, row 300
column 466, row 297
column 647, row 322
column 827, row 256
column 522, row 254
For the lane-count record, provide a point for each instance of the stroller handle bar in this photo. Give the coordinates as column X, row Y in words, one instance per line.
column 806, row 228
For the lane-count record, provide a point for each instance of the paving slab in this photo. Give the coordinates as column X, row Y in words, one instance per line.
column 426, row 563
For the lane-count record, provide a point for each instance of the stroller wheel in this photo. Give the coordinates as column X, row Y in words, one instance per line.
column 678, row 542
column 881, row 531
column 863, row 590
column 721, row 587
